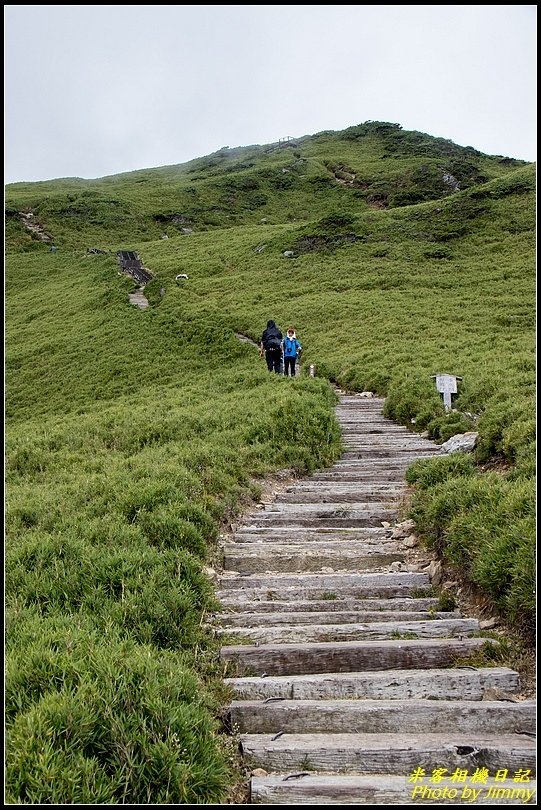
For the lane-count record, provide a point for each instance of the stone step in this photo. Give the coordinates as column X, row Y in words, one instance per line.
column 254, row 557
column 412, row 716
column 328, row 581
column 246, row 619
column 380, row 607
column 389, row 753
column 296, row 634
column 348, row 656
column 457, row 683
column 303, row 787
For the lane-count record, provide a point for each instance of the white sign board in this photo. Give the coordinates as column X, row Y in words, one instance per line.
column 446, row 385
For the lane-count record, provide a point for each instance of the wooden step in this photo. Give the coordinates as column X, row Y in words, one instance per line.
column 411, row 716
column 328, row 514
column 265, row 556
column 302, row 787
column 311, row 580
column 380, row 607
column 341, row 495
column 395, row 454
column 295, row 634
column 281, row 594
column 458, row 683
column 309, row 534
column 263, row 619
column 389, row 753
column 327, row 508
column 363, row 473
column 348, row 656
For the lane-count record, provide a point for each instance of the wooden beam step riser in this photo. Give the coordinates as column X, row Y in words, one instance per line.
column 308, row 534
column 276, row 595
column 393, row 684
column 284, row 561
column 313, row 633
column 353, row 656
column 329, row 581
column 332, row 617
column 382, row 716
column 389, row 753
column 380, row 606
column 331, row 509
column 330, row 789
column 362, row 488
column 390, row 454
column 333, row 496
column 315, row 547
column 358, row 519
column 303, row 537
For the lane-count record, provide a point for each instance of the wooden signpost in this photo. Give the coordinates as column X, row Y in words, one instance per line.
column 446, row 384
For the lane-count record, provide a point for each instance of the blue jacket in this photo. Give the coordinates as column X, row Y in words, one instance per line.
column 291, row 347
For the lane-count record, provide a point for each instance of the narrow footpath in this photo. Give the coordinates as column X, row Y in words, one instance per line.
column 352, row 684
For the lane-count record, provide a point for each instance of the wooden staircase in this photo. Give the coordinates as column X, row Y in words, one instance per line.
column 351, row 685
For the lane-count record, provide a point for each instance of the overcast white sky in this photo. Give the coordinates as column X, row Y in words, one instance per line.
column 91, row 91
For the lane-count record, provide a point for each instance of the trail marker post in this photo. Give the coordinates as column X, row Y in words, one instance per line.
column 446, row 384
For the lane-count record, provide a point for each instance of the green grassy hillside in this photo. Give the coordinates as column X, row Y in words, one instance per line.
column 134, row 437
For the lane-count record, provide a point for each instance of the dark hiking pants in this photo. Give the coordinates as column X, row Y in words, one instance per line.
column 274, row 360
column 289, row 366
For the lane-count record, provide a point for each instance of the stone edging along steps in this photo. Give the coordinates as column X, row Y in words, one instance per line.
column 351, row 685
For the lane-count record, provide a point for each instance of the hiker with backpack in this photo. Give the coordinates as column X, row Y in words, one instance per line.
column 292, row 351
column 270, row 347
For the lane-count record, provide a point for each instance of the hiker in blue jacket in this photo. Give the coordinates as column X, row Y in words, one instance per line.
column 292, row 350
column 270, row 347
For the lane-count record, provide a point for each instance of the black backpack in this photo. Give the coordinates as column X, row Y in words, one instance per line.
column 272, row 340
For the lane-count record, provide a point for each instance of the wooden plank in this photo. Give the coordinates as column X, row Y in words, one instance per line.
column 381, row 607
column 272, row 557
column 410, row 716
column 389, row 753
column 345, row 517
column 291, row 634
column 329, row 581
column 467, row 683
column 348, row 656
column 324, row 509
column 321, row 618
column 301, row 787
column 287, row 594
column 309, row 534
column 341, row 495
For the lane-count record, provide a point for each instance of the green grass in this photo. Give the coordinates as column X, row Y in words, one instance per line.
column 133, row 437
